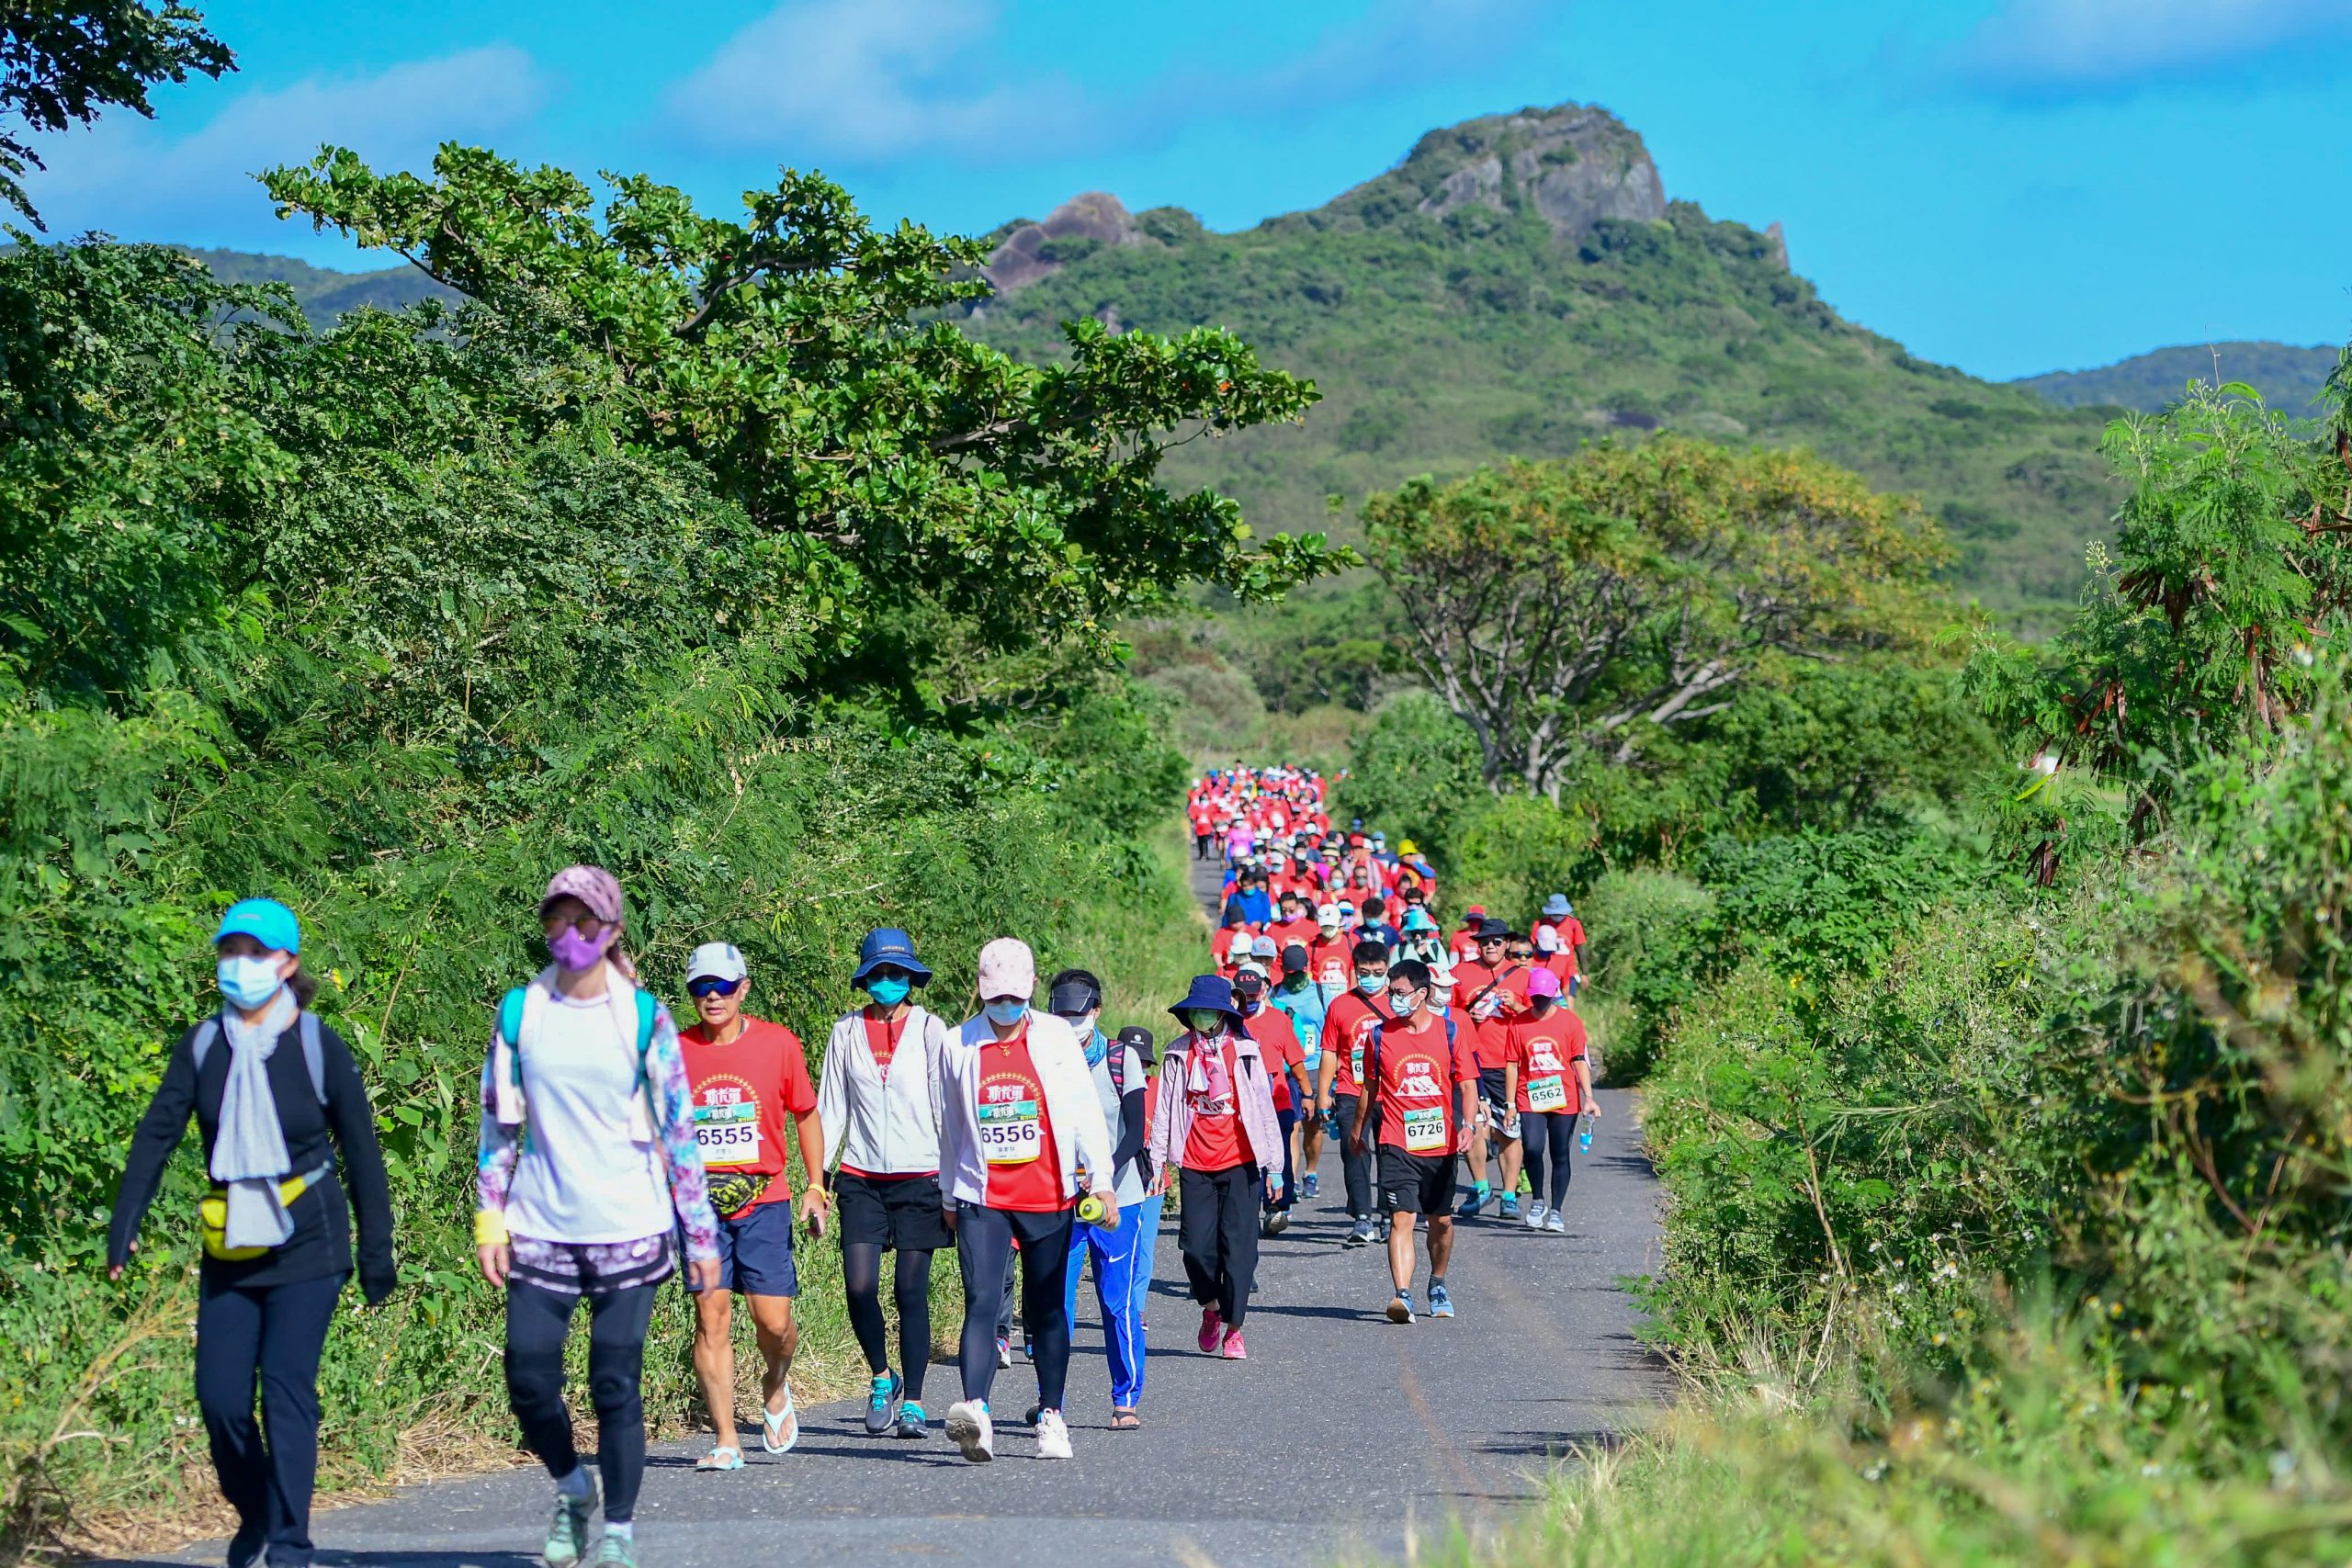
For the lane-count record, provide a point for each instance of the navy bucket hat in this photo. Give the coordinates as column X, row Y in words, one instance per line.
column 892, row 948
column 1214, row 992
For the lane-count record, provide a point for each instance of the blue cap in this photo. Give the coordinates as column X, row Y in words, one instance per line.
column 888, row 945
column 265, row 921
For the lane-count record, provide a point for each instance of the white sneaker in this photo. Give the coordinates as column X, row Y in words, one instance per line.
column 1553, row 1223
column 1053, row 1435
column 1535, row 1216
column 968, row 1425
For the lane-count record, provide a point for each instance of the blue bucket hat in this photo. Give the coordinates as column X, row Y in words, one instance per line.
column 1214, row 992
column 892, row 948
column 265, row 921
column 1557, row 907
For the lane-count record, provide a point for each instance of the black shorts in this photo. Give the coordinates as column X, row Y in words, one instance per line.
column 1490, row 1089
column 902, row 1211
column 1415, row 1184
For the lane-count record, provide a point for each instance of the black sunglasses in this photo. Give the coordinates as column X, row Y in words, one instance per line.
column 712, row 986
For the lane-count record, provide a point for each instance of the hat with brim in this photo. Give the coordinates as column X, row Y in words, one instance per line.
column 1556, row 906
column 889, row 948
column 1212, row 993
column 265, row 921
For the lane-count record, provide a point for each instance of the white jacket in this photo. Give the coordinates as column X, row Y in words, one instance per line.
column 882, row 1126
column 1081, row 1135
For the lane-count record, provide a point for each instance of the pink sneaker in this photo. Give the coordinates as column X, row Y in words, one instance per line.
column 1212, row 1331
column 1234, row 1349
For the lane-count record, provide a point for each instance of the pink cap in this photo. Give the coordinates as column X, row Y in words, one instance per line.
column 1542, row 983
column 593, row 886
column 1007, row 969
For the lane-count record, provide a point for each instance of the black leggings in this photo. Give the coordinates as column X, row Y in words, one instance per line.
column 538, row 1322
column 984, row 1248
column 1218, row 1233
column 1355, row 1168
column 271, row 1335
column 911, row 1288
column 1537, row 1131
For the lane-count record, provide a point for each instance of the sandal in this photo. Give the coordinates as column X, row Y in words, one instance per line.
column 721, row 1457
column 1123, row 1419
column 773, row 1423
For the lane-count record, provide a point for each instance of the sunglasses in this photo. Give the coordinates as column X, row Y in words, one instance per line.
column 712, row 986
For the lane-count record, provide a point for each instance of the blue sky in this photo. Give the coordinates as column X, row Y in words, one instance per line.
column 2009, row 186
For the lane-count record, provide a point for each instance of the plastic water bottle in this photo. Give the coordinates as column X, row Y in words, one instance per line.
column 1584, row 1133
column 1090, row 1208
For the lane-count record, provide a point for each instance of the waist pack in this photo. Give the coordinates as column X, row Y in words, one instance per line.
column 730, row 1195
column 212, row 1215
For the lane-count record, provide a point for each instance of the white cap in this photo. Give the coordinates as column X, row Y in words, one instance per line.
column 715, row 960
column 1328, row 914
column 1547, row 939
column 1252, row 967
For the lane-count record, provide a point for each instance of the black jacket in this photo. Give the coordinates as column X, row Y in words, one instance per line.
column 321, row 1244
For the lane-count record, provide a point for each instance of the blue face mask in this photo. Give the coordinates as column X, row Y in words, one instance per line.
column 888, row 991
column 1371, row 985
column 248, row 982
column 1008, row 1012
column 1097, row 1046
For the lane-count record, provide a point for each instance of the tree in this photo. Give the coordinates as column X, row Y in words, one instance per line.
column 1575, row 609
column 805, row 358
column 61, row 63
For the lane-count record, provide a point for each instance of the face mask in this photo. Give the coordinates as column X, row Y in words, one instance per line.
column 248, row 982
column 1205, row 1022
column 573, row 951
column 1253, row 1006
column 1097, row 1045
column 1370, row 984
column 1400, row 1002
column 888, row 991
column 1009, row 1011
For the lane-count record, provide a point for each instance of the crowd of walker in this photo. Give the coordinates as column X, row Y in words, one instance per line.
column 1033, row 1142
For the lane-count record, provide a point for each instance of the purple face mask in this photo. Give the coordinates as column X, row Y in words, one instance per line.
column 575, row 952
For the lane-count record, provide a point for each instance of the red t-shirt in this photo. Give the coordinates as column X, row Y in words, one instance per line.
column 1464, row 945
column 1571, row 937
column 1016, row 1136
column 1545, row 1048
column 1217, row 1140
column 1508, row 997
column 1222, row 948
column 1347, row 1027
column 741, row 1092
column 1418, row 1074
column 1278, row 1045
column 1331, row 963
column 1301, row 931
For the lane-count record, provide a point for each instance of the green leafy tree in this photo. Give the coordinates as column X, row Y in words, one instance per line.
column 802, row 357
column 63, row 64
column 1576, row 609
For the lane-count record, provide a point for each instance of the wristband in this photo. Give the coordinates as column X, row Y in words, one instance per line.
column 490, row 1228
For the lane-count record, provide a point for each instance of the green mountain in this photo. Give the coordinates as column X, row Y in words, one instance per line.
column 2288, row 378
column 324, row 293
column 1517, row 285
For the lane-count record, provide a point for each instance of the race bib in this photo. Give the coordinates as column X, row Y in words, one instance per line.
column 1424, row 1129
column 1012, row 1132
column 728, row 1134
column 1355, row 1060
column 1547, row 1094
column 1310, row 1041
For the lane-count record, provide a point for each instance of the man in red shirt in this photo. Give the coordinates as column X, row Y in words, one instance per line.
column 1464, row 943
column 1330, row 955
column 1348, row 1024
column 1488, row 992
column 1294, row 924
column 1420, row 1083
column 1565, row 955
column 745, row 1076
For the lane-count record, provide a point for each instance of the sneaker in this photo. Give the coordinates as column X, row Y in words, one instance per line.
column 617, row 1551
column 568, row 1531
column 1381, row 1234
column 246, row 1548
column 1511, row 1207
column 1003, row 1354
column 969, row 1424
column 1440, row 1305
column 1277, row 1223
column 1360, row 1234
column 882, row 1404
column 1309, row 1185
column 1553, row 1223
column 1053, row 1435
column 1401, row 1309
column 1212, row 1331
column 912, row 1422
column 1474, row 1204
column 1232, row 1350
column 1535, row 1216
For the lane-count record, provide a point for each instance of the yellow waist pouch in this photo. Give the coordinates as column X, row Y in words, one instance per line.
column 212, row 1216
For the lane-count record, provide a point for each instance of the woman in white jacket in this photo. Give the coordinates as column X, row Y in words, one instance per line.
column 880, row 1102
column 1022, row 1134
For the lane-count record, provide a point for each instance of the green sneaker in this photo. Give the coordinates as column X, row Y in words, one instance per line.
column 618, row 1550
column 568, row 1531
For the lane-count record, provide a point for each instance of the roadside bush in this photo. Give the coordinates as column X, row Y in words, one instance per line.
column 1652, row 935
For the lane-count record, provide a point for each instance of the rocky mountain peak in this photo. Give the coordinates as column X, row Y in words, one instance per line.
column 1079, row 227
column 1572, row 164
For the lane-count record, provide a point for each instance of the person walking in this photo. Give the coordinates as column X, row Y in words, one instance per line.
column 1280, row 1049
column 746, row 1075
column 1554, row 1079
column 290, row 1142
column 1214, row 1124
column 1307, row 1003
column 1346, row 1032
column 880, row 1105
column 588, row 1170
column 1419, row 1081
column 1022, row 1135
column 1119, row 1069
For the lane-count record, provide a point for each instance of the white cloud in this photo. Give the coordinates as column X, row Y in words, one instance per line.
column 137, row 178
column 2040, row 46
column 871, row 79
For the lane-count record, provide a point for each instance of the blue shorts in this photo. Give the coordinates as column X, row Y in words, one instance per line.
column 755, row 1252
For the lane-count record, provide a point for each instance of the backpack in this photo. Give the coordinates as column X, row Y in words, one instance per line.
column 513, row 1010
column 314, row 1055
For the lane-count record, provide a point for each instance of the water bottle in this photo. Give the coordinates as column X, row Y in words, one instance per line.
column 1584, row 1133
column 1090, row 1208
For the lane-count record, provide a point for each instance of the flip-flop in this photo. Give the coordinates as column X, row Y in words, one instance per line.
column 721, row 1458
column 1125, row 1420
column 771, row 1423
